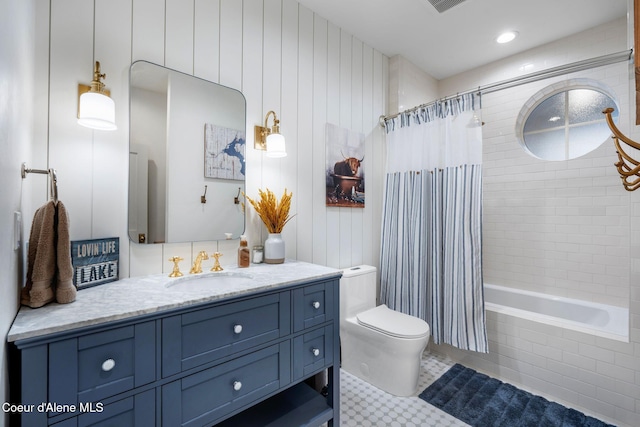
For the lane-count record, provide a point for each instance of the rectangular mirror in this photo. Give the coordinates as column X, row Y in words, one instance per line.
column 186, row 157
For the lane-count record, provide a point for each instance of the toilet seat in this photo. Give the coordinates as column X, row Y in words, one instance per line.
column 394, row 323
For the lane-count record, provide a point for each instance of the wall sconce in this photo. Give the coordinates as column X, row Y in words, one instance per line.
column 270, row 139
column 96, row 110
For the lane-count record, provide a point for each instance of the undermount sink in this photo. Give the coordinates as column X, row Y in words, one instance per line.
column 207, row 280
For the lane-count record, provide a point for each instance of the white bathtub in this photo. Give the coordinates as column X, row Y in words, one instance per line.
column 584, row 316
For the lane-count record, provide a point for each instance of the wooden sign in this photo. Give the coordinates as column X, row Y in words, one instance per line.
column 95, row 261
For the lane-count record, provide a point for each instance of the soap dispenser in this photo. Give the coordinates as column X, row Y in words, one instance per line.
column 244, row 256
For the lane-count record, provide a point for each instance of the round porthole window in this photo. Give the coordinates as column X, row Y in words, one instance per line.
column 565, row 120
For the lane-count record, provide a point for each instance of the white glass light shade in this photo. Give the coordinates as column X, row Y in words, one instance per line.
column 97, row 111
column 275, row 145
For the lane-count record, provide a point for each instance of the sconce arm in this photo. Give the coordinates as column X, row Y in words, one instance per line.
column 276, row 122
column 96, row 84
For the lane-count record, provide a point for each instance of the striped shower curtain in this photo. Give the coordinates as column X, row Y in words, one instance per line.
column 431, row 254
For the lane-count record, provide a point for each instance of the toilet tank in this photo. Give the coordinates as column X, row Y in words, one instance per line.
column 357, row 290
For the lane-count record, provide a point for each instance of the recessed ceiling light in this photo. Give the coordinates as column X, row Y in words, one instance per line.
column 507, row 36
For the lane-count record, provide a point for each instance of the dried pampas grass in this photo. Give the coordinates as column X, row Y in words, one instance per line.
column 274, row 214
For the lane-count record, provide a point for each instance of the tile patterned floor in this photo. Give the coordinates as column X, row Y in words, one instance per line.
column 363, row 405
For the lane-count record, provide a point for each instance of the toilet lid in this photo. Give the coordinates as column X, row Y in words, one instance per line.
column 394, row 323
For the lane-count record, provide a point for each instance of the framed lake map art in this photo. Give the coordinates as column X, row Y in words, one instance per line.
column 224, row 151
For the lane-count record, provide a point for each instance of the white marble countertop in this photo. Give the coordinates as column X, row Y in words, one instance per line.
column 137, row 296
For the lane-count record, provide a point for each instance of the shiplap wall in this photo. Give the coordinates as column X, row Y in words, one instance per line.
column 17, row 29
column 278, row 53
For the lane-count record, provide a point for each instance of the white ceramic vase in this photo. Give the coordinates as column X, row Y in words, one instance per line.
column 274, row 249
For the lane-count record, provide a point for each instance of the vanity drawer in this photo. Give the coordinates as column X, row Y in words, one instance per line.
column 91, row 367
column 312, row 305
column 134, row 411
column 205, row 397
column 202, row 336
column 312, row 352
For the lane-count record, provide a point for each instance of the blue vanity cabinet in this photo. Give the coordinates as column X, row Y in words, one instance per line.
column 235, row 361
column 70, row 375
column 138, row 410
column 313, row 351
column 315, row 348
column 92, row 367
column 314, row 305
column 205, row 397
column 206, row 335
column 257, row 379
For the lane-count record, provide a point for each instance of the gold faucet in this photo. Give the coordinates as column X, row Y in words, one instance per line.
column 216, row 264
column 176, row 270
column 197, row 264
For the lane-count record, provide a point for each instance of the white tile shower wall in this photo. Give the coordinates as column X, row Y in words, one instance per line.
column 279, row 54
column 556, row 227
column 560, row 227
column 409, row 86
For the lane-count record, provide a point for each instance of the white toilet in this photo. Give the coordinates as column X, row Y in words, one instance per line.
column 378, row 345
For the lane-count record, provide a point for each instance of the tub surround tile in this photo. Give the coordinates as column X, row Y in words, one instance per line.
column 582, row 362
column 150, row 294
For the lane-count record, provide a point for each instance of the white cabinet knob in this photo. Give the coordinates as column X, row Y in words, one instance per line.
column 108, row 365
column 316, row 304
column 237, row 385
column 237, row 329
column 316, row 352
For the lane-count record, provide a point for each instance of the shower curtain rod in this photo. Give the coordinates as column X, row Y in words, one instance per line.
column 586, row 64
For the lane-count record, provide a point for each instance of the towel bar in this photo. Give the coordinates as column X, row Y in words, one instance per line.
column 53, row 174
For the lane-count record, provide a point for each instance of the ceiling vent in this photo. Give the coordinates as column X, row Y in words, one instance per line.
column 444, row 5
